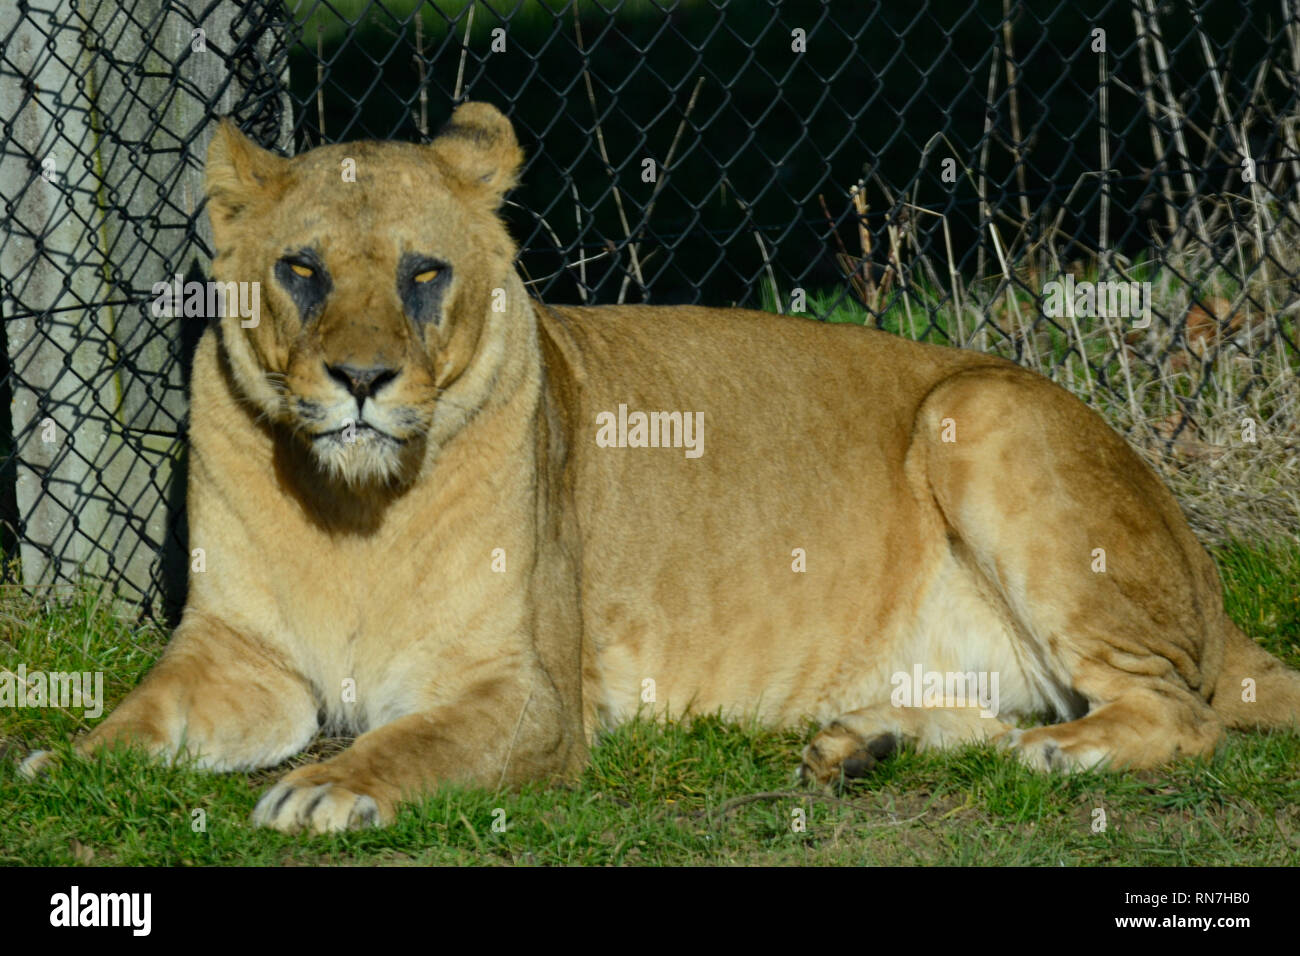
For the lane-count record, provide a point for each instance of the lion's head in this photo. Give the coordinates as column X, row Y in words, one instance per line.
column 377, row 264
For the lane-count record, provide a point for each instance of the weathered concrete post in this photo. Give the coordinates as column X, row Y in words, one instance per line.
column 104, row 122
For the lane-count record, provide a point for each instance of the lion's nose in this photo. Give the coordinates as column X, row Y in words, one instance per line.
column 361, row 382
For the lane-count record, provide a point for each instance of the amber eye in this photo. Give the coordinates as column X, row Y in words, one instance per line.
column 305, row 271
column 427, row 276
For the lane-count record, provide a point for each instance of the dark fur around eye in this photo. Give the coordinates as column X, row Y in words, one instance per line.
column 422, row 300
column 308, row 292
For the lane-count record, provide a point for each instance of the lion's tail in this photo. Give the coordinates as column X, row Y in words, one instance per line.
column 1255, row 690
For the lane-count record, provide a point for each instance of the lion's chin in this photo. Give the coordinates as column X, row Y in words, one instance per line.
column 368, row 459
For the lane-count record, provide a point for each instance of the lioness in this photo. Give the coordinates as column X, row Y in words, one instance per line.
column 434, row 515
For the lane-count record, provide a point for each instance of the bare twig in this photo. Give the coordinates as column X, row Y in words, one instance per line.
column 981, row 185
column 559, row 248
column 464, row 53
column 604, row 155
column 1180, row 142
column 1103, row 146
column 320, row 79
column 1261, row 219
column 662, row 178
column 1157, row 144
column 1013, row 104
column 762, row 249
column 422, row 119
column 582, row 262
column 856, row 271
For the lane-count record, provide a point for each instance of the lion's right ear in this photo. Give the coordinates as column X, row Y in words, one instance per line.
column 239, row 174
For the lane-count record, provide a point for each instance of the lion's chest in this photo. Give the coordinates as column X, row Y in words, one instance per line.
column 399, row 622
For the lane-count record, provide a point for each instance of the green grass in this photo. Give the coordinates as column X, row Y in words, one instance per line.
column 702, row 792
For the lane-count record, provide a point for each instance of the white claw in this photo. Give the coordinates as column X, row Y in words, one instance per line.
column 35, row 764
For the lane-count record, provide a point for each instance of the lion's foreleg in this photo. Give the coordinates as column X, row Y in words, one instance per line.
column 853, row 743
column 492, row 736
column 220, row 696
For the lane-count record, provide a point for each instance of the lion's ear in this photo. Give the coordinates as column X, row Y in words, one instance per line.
column 239, row 174
column 478, row 146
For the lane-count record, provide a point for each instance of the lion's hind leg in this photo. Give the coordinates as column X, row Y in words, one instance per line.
column 1136, row 730
column 1109, row 589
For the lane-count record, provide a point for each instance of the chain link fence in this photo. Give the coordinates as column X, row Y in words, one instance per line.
column 1103, row 191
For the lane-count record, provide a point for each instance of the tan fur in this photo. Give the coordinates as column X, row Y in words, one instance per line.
column 369, row 564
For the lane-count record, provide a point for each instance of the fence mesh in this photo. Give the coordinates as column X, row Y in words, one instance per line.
column 1103, row 191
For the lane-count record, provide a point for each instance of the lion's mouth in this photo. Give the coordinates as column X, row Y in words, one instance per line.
column 357, row 432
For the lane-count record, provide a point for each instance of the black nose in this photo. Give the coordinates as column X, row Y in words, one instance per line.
column 361, row 382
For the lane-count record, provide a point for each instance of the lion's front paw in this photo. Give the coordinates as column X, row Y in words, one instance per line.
column 837, row 752
column 302, row 801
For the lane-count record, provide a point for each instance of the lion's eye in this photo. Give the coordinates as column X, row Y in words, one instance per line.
column 422, row 284
column 300, row 270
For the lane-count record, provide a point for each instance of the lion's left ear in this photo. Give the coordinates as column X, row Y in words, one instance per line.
column 478, row 146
